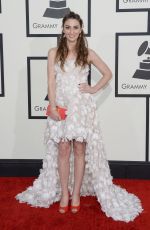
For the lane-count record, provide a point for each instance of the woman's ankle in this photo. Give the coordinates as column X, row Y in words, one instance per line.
column 65, row 193
column 76, row 194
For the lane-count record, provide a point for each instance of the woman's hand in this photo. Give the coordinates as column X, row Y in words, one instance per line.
column 55, row 115
column 86, row 88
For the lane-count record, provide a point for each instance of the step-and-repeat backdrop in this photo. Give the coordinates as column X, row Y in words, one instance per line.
column 118, row 30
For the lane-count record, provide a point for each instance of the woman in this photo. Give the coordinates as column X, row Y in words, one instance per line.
column 75, row 162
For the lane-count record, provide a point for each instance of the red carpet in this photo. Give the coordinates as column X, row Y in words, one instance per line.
column 16, row 216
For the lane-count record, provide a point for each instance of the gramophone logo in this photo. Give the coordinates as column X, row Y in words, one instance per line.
column 44, row 17
column 57, row 9
column 144, row 67
column 132, row 70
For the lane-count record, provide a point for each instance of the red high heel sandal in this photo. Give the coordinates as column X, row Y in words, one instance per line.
column 63, row 210
column 75, row 209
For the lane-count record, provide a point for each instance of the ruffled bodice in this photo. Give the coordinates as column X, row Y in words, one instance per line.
column 80, row 124
column 67, row 83
column 80, row 106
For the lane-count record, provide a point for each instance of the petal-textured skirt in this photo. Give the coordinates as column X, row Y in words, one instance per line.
column 81, row 125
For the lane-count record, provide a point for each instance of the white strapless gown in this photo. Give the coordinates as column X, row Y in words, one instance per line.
column 81, row 124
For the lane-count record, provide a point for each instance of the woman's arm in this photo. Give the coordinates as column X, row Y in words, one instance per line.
column 52, row 83
column 94, row 59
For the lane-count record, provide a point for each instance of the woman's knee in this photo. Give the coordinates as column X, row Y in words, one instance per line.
column 79, row 148
column 64, row 149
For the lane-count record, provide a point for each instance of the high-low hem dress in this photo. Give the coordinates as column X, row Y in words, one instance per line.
column 81, row 124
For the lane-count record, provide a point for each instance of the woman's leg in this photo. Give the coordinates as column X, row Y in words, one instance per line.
column 63, row 170
column 79, row 165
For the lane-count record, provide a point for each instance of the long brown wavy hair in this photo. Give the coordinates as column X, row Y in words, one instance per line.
column 81, row 45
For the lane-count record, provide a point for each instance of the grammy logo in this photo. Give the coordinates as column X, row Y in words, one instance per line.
column 144, row 71
column 57, row 9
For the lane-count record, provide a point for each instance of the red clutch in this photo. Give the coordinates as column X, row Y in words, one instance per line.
column 60, row 110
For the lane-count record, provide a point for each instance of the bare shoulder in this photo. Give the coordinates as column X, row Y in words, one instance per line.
column 52, row 52
column 97, row 61
column 92, row 55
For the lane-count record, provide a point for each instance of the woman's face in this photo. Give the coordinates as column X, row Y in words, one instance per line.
column 72, row 29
